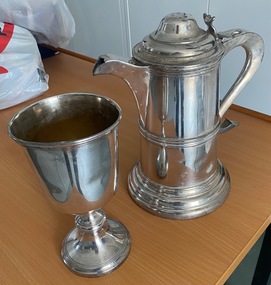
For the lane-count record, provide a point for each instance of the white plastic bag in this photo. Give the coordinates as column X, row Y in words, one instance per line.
column 50, row 21
column 22, row 75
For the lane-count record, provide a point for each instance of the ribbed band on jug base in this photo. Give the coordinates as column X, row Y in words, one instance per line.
column 179, row 202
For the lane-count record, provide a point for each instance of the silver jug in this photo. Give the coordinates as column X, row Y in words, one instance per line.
column 174, row 76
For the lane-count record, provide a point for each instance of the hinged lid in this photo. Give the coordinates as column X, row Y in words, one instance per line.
column 179, row 40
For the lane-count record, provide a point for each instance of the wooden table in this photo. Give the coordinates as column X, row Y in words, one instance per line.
column 203, row 251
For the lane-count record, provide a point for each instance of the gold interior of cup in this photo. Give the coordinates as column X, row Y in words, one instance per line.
column 66, row 117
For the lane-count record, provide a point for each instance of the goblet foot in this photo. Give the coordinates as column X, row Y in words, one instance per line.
column 96, row 246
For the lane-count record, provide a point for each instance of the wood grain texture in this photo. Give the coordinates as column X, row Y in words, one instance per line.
column 202, row 251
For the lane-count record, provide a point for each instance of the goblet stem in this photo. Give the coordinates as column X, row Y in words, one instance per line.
column 96, row 246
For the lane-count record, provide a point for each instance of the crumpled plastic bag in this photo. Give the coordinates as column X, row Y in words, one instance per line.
column 22, row 74
column 50, row 21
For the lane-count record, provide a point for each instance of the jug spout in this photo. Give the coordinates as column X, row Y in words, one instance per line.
column 136, row 76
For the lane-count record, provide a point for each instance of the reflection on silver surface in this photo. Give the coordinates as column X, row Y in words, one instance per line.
column 72, row 143
column 85, row 170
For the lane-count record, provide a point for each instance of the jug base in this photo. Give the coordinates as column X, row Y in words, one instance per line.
column 176, row 202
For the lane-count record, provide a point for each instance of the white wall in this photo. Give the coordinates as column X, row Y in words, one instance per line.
column 114, row 26
column 101, row 26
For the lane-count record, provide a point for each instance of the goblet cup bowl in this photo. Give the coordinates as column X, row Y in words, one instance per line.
column 72, row 142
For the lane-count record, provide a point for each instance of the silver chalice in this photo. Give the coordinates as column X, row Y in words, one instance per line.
column 72, row 142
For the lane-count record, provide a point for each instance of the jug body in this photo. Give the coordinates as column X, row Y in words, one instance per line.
column 182, row 105
column 178, row 136
column 178, row 175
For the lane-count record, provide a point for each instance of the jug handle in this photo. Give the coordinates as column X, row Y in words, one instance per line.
column 253, row 45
